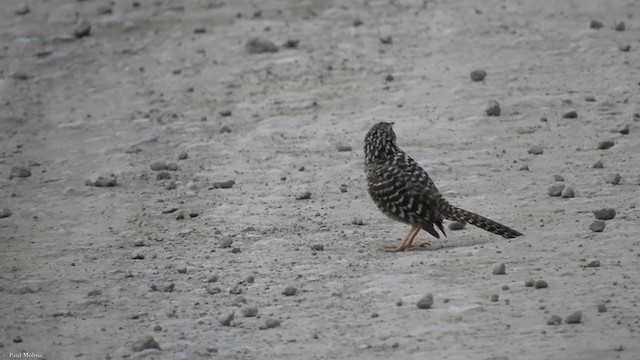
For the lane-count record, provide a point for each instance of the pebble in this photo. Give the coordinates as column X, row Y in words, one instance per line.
column 20, row 75
column 223, row 184
column 554, row 320
column 558, row 177
column 505, row 287
column 604, row 145
column 200, row 30
column 212, row 289
column 478, row 75
column 225, row 129
column 624, row 129
column 5, row 212
column 493, row 108
column 213, row 278
column 163, row 175
column 624, row 48
column 22, row 9
column 270, row 324
column 590, row 98
column 169, row 288
column 500, row 269
column 289, row 291
column 357, row 221
column 317, row 247
column 170, row 210
column 305, row 195
column 250, row 312
column 343, row 188
column 540, row 284
column 597, row 226
column 258, row 45
column 226, row 242
column 595, row 24
column 620, row 26
column 343, row 147
column 572, row 114
column 225, row 113
column 20, row 171
column 494, row 297
column 158, row 165
column 602, row 308
column 172, row 166
column 171, row 185
column 535, row 150
column 568, row 192
column 598, row 165
column 524, row 167
column 593, row 263
column 399, row 302
column 574, row 318
column 388, row 78
column 138, row 256
column 226, row 318
column 386, row 39
column 157, row 328
column 144, row 343
column 529, row 283
column 250, row 279
column 182, row 270
column 194, row 214
column 613, row 179
column 82, row 29
column 95, row 292
column 17, row 339
column 456, row 225
column 179, row 216
column 291, row 43
column 604, row 214
column 183, row 155
column 425, row 302
column 103, row 180
column 236, row 290
column 357, row 22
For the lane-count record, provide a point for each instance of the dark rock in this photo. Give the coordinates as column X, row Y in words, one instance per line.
column 5, row 212
column 493, row 108
column 20, row 171
column 595, row 24
column 554, row 320
column 223, row 184
column 597, row 226
column 258, row 45
column 535, row 150
column 555, row 190
column 613, row 179
column 604, row 145
column 620, row 26
column 291, row 43
column 570, row 114
column 82, row 29
column 604, row 214
column 456, row 225
column 144, row 343
column 305, row 195
column 289, row 291
column 574, row 318
column 478, row 75
column 425, row 302
column 500, row 269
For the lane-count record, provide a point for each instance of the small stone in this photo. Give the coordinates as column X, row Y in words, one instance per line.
column 182, row 270
column 613, row 179
column 225, row 129
column 163, row 175
column 17, row 339
column 570, row 114
column 386, row 39
column 317, row 247
column 456, row 225
column 593, row 263
column 357, row 22
column 144, row 343
column 568, row 192
column 620, row 26
column 604, row 145
column 493, row 108
column 597, row 226
column 624, row 129
column 183, row 155
column 558, row 177
column 226, row 318
column 169, row 288
column 250, row 279
column 505, row 287
column 194, row 214
column 225, row 242
column 289, row 291
column 343, row 188
column 249, row 312
column 172, row 166
column 375, row 315
column 604, row 214
column 236, row 250
column 223, row 184
column 343, row 147
column 399, row 302
column 200, row 30
column 258, row 45
column 157, row 328
column 95, row 292
column 225, row 113
column 305, row 195
column 291, row 43
column 212, row 289
column 590, row 98
column 236, row 290
column 213, row 278
column 554, row 320
column 5, row 212
column 494, row 297
column 595, row 24
column 598, row 165
column 535, row 150
column 179, row 216
column 524, row 167
column 170, row 210
column 171, row 185
column 574, row 318
column 500, row 269
column 22, row 9
column 106, row 180
column 529, row 283
column 270, row 324
column 158, row 165
column 82, row 29
column 357, row 221
column 478, row 75
column 388, row 78
column 624, row 48
column 425, row 302
column 20, row 75
column 602, row 308
column 20, row 171
column 138, row 256
column 540, row 284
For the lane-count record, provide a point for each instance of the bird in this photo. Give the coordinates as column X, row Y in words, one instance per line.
column 403, row 191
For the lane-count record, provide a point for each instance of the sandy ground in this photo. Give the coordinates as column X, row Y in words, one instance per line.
column 86, row 271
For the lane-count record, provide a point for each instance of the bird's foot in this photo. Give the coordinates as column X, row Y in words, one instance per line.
column 406, row 248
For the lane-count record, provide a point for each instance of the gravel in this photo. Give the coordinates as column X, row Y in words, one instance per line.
column 535, row 150
column 250, row 312
column 425, row 302
column 555, row 190
column 456, row 225
column 289, row 291
column 478, row 75
column 604, row 213
column 493, row 108
column 572, row 114
column 596, row 25
column 144, row 343
column 540, row 284
column 223, row 184
column 20, row 171
column 606, row 144
column 597, row 226
column 500, row 269
column 554, row 320
column 602, row 308
column 82, row 29
column 593, row 263
column 5, row 212
column 343, row 147
column 305, row 195
column 574, row 318
column 258, row 45
column 613, row 179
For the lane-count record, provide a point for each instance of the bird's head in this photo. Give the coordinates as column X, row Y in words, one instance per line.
column 380, row 142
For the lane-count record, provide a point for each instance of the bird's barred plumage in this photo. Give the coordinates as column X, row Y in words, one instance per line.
column 403, row 190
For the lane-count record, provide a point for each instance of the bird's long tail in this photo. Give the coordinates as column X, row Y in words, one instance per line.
column 451, row 212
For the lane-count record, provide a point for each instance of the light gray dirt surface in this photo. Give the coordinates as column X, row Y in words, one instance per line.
column 156, row 79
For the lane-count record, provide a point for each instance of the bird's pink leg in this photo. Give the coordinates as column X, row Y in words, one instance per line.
column 406, row 241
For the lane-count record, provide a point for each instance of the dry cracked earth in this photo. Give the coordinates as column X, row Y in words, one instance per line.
column 172, row 189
